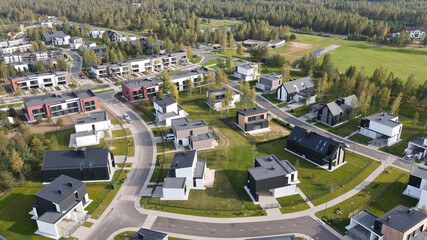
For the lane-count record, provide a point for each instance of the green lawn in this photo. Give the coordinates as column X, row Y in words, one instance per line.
column 158, row 173
column 11, row 105
column 127, row 165
column 359, row 138
column 271, row 97
column 387, row 189
column 104, row 91
column 117, row 121
column 214, row 24
column 125, row 235
column 209, row 62
column 119, row 146
column 196, row 59
column 157, row 131
column 121, row 133
column 293, row 203
column 168, row 146
column 100, row 87
column 344, row 129
column 301, row 111
column 62, row 137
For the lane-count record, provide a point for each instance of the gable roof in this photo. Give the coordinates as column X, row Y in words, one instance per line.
column 300, row 84
column 252, row 111
column 50, row 35
column 66, row 184
column 312, row 140
column 402, row 218
column 342, row 104
column 70, row 159
column 164, row 101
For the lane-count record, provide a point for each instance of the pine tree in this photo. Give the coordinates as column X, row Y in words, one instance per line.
column 396, row 104
column 4, row 72
column 228, row 99
column 240, row 50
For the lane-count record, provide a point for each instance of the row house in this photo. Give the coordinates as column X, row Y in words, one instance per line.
column 140, row 89
column 31, row 56
column 39, row 80
column 56, row 105
column 23, row 47
column 96, row 33
column 11, row 42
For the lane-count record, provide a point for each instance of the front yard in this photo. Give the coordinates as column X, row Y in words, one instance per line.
column 343, row 129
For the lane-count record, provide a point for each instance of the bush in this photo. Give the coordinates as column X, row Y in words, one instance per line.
column 7, row 180
column 59, row 122
column 38, row 119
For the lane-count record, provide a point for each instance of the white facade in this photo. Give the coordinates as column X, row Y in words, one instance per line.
column 89, row 45
column 417, row 147
column 379, row 127
column 217, row 106
column 89, row 132
column 97, row 33
column 175, row 194
column 284, row 191
column 61, row 40
column 46, row 24
column 16, row 48
column 373, row 235
column 416, row 34
column 247, row 72
column 173, row 111
column 47, row 79
column 21, row 67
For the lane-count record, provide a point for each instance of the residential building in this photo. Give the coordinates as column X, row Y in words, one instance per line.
column 417, row 186
column 11, row 42
column 119, row 37
column 153, row 47
column 137, row 89
column 180, row 78
column 185, row 173
column 15, row 48
column 272, row 43
column 218, row 96
column 272, row 176
column 417, row 147
column 341, row 110
column 31, row 57
column 39, row 80
column 414, row 32
column 322, row 151
column 76, row 42
column 297, row 90
column 89, row 45
column 253, row 120
column 59, row 207
column 46, row 25
column 269, row 81
column 383, row 127
column 400, row 223
column 90, row 130
column 88, row 164
column 56, row 105
column 194, row 134
column 148, row 234
column 247, row 71
column 96, row 33
column 166, row 109
column 56, row 38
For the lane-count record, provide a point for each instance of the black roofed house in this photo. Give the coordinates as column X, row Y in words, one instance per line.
column 296, row 90
column 59, row 207
column 400, row 223
column 252, row 120
column 56, row 38
column 166, row 109
column 148, row 234
column 88, row 164
column 341, row 110
column 322, row 151
column 185, row 173
column 273, row 176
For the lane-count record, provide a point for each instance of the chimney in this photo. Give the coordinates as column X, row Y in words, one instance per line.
column 59, row 191
column 388, row 218
column 70, row 184
column 141, row 236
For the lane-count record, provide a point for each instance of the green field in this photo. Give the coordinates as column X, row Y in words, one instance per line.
column 402, row 61
column 215, row 24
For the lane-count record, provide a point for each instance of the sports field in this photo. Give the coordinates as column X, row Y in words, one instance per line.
column 402, row 61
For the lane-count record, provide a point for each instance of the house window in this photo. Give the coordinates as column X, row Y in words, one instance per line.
column 261, row 117
column 250, row 119
column 191, row 132
column 76, row 194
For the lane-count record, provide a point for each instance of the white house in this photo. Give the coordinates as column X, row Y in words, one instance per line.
column 90, row 129
column 417, row 147
column 59, row 207
column 364, row 223
column 56, row 38
column 15, row 48
column 296, row 89
column 96, row 33
column 89, row 45
column 76, row 42
column 417, row 186
column 247, row 72
column 180, row 79
column 383, row 126
column 218, row 97
column 185, row 173
column 166, row 109
column 46, row 24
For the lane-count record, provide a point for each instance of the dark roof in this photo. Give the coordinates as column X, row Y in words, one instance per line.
column 366, row 218
column 183, row 123
column 93, row 118
column 70, row 159
column 200, row 169
column 49, row 35
column 300, row 84
column 384, row 119
column 312, row 140
column 66, row 184
column 420, row 172
column 53, row 98
column 182, row 160
column 252, row 111
column 147, row 234
column 419, row 141
column 283, row 237
column 271, row 166
column 247, row 65
column 341, row 104
column 164, row 101
column 174, row 182
column 402, row 218
column 145, row 82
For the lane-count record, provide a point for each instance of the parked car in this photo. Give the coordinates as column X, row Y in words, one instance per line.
column 81, row 75
column 346, row 145
column 129, row 120
column 126, row 117
column 169, row 137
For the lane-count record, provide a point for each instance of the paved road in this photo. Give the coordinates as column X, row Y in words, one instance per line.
column 76, row 69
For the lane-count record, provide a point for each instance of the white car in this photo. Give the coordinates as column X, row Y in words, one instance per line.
column 169, row 137
column 125, row 116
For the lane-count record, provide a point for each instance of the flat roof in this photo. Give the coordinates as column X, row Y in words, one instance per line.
column 70, row 159
column 184, row 123
column 142, row 82
column 273, row 76
column 402, row 218
column 93, row 118
column 165, row 101
column 420, row 172
column 200, row 169
column 174, row 182
column 188, row 73
column 247, row 65
column 271, row 166
column 201, row 137
column 53, row 98
column 366, row 219
column 40, row 74
column 66, row 184
column 384, row 118
column 252, row 111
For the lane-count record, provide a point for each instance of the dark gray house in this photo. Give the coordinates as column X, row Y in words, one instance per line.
column 86, row 164
column 147, row 234
column 341, row 110
column 252, row 119
column 317, row 148
column 296, row 90
column 269, row 81
column 273, row 176
column 64, row 199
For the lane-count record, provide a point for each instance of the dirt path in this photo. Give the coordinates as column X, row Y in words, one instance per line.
column 225, row 142
column 296, row 46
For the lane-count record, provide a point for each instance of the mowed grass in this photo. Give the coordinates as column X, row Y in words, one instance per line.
column 121, row 133
column 343, row 129
column 293, row 203
column 214, row 24
column 387, row 188
column 359, row 138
